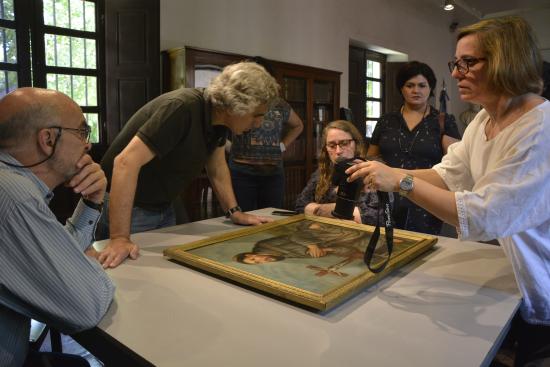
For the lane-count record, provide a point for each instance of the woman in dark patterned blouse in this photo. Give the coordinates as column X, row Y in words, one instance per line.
column 411, row 138
column 340, row 140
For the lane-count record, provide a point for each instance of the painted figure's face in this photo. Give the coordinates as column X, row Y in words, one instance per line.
column 416, row 91
column 258, row 258
column 241, row 123
column 340, row 144
column 472, row 76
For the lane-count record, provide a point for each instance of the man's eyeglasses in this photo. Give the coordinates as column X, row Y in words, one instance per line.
column 464, row 65
column 342, row 144
column 83, row 132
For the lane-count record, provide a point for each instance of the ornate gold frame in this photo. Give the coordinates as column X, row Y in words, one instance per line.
column 320, row 301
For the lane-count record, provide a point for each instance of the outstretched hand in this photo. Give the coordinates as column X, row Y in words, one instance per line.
column 116, row 251
column 249, row 219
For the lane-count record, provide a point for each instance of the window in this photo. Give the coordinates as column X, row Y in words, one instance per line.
column 374, row 89
column 63, row 52
column 8, row 42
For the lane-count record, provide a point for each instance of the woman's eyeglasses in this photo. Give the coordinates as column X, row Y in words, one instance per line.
column 342, row 144
column 464, row 65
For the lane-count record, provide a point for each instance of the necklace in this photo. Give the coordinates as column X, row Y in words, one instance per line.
column 408, row 149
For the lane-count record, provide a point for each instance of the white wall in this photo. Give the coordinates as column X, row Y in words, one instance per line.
column 314, row 32
column 540, row 21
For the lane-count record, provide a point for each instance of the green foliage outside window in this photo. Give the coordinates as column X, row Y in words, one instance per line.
column 6, row 10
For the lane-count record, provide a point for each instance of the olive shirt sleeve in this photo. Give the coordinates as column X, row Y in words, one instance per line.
column 165, row 127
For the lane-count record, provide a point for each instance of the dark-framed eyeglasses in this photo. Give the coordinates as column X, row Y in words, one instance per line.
column 83, row 132
column 342, row 144
column 463, row 65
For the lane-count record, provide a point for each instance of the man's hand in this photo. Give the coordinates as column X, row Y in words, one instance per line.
column 248, row 219
column 89, row 181
column 116, row 251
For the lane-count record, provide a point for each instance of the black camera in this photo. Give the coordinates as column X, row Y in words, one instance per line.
column 348, row 192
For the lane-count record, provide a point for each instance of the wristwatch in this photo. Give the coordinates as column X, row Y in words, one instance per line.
column 91, row 204
column 406, row 185
column 282, row 146
column 233, row 210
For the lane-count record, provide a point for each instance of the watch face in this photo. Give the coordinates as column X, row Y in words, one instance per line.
column 406, row 184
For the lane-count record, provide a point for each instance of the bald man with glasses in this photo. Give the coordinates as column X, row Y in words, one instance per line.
column 44, row 272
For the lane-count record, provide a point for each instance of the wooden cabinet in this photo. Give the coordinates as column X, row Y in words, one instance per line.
column 313, row 93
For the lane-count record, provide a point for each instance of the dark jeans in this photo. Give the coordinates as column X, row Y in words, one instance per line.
column 49, row 359
column 256, row 191
column 142, row 220
column 533, row 344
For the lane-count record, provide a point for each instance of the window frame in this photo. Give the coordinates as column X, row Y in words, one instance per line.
column 29, row 20
column 371, row 55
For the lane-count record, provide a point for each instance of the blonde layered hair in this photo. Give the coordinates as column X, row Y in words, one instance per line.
column 242, row 87
column 514, row 63
column 326, row 166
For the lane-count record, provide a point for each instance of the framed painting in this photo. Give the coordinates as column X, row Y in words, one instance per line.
column 314, row 261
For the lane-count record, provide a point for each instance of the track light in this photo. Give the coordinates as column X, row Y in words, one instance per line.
column 448, row 5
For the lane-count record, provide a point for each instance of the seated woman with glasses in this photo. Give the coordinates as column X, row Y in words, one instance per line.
column 341, row 139
column 413, row 138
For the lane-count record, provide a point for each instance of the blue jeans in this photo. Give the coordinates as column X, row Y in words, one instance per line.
column 256, row 191
column 142, row 220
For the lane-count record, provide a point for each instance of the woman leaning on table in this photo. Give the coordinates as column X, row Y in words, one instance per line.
column 414, row 137
column 495, row 183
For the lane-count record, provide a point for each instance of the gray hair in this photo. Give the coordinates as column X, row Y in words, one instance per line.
column 242, row 87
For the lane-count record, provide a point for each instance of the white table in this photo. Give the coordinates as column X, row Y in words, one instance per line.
column 451, row 307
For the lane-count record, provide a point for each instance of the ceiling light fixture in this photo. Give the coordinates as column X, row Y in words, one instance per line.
column 448, row 5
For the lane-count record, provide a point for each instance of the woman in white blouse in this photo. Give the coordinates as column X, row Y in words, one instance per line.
column 495, row 183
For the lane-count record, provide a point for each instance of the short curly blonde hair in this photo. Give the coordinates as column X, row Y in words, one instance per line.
column 242, row 87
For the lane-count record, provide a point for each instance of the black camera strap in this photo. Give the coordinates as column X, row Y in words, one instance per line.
column 384, row 201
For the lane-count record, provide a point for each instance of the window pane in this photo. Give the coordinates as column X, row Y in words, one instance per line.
column 369, row 68
column 77, row 14
column 371, row 124
column 373, row 69
column 374, row 89
column 8, row 49
column 89, row 16
column 73, row 14
column 61, row 14
column 8, row 82
column 82, row 89
column 373, row 109
column 70, row 51
column 56, row 13
column 93, row 122
column 376, row 70
column 6, row 9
